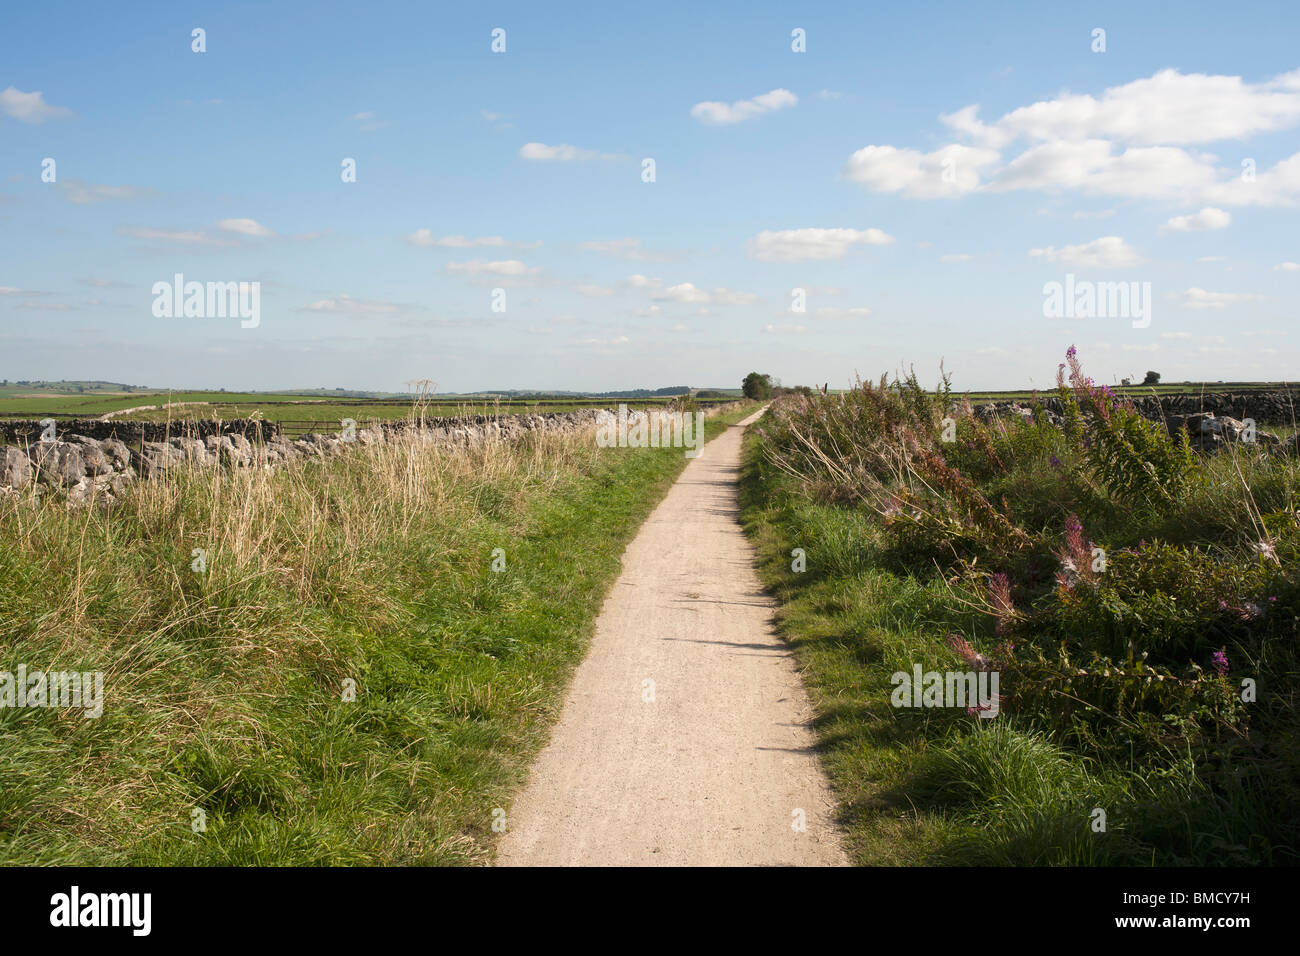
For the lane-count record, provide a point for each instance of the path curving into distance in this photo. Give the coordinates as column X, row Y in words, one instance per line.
column 711, row 771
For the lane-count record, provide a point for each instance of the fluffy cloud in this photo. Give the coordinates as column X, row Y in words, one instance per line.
column 1195, row 298
column 800, row 245
column 503, row 267
column 563, row 153
column 344, row 304
column 1287, row 267
column 1092, row 166
column 948, row 171
column 688, row 294
column 29, row 107
column 1167, row 108
column 424, row 237
column 1108, row 252
column 84, row 193
column 245, row 227
column 1208, row 218
column 1126, row 143
column 721, row 114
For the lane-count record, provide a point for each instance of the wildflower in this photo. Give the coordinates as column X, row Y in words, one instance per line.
column 1266, row 549
column 1000, row 598
column 972, row 659
column 1220, row 660
column 1076, row 556
column 1055, row 462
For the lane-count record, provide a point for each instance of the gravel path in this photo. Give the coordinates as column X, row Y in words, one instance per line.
column 684, row 739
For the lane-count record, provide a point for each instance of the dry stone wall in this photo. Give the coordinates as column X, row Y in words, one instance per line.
column 86, row 467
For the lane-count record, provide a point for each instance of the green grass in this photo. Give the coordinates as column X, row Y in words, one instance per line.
column 224, row 691
column 939, row 787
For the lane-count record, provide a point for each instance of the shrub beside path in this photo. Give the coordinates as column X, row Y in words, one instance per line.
column 712, row 763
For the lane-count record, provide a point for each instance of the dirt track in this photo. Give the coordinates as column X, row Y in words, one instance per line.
column 710, row 763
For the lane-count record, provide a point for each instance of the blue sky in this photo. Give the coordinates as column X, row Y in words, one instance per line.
column 921, row 171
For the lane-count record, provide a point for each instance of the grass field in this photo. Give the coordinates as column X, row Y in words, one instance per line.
column 225, row 690
column 299, row 413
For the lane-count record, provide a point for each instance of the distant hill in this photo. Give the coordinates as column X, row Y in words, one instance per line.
column 69, row 387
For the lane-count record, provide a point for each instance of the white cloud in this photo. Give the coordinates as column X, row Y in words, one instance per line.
column 29, row 107
column 643, row 282
column 785, row 329
column 1168, row 107
column 503, row 267
column 1207, row 219
column 424, row 237
column 687, row 293
column 721, row 114
column 1279, row 186
column 1125, row 143
column 563, row 153
column 1195, row 298
column 344, row 304
column 1091, row 166
column 593, row 291
column 948, row 171
column 1108, row 252
column 1287, row 267
column 245, row 227
column 800, row 245
column 728, row 297
column 84, row 193
column 368, row 121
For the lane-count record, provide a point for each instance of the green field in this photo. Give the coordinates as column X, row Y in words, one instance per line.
column 297, row 412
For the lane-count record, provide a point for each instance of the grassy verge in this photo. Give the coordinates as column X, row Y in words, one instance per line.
column 1122, row 687
column 225, row 736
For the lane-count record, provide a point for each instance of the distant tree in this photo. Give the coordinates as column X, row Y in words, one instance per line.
column 1153, row 378
column 757, row 386
column 1126, row 381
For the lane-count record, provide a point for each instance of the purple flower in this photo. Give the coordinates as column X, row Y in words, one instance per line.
column 1071, row 352
column 1221, row 662
column 1056, row 462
